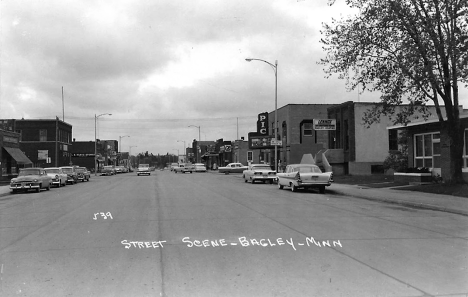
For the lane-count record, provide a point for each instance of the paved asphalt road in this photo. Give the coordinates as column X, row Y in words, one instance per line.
column 156, row 233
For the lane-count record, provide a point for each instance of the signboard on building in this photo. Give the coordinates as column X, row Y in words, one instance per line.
column 260, row 142
column 42, row 154
column 324, row 124
column 262, row 124
column 276, row 142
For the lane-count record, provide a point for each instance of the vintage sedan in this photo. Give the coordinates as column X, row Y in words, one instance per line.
column 70, row 171
column 232, row 168
column 31, row 179
column 108, row 170
column 83, row 174
column 184, row 168
column 304, row 176
column 59, row 178
column 259, row 172
column 199, row 167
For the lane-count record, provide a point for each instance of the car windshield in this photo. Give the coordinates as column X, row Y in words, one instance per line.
column 52, row 170
column 29, row 172
column 107, row 167
column 143, row 165
column 67, row 169
column 79, row 170
column 306, row 169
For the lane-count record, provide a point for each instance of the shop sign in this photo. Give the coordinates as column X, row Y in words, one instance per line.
column 262, row 123
column 324, row 124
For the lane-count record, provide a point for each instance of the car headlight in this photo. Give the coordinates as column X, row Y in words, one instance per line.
column 35, row 180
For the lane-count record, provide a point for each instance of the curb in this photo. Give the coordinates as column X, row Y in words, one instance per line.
column 406, row 203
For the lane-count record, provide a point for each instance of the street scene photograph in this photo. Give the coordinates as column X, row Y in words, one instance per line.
column 240, row 148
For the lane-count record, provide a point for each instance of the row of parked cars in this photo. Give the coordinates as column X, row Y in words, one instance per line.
column 295, row 176
column 113, row 170
column 188, row 167
column 44, row 178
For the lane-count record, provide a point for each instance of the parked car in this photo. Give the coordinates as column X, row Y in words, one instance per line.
column 260, row 172
column 199, row 167
column 184, row 168
column 173, row 165
column 108, row 170
column 143, row 169
column 118, row 169
column 70, row 171
column 304, row 176
column 30, row 179
column 59, row 178
column 232, row 168
column 83, row 173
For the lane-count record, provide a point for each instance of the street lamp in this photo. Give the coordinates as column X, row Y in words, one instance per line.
column 95, row 140
column 275, row 69
column 198, row 144
column 183, row 154
column 120, row 142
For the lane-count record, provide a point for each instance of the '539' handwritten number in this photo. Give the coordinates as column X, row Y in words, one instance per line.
column 104, row 215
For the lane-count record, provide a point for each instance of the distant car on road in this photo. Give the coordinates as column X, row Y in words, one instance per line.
column 143, row 169
column 83, row 173
column 173, row 165
column 304, row 176
column 199, row 167
column 184, row 168
column 59, row 178
column 259, row 172
column 108, row 170
column 72, row 176
column 30, row 179
column 232, row 168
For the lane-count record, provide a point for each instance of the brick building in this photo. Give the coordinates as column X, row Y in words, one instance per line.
column 46, row 142
column 429, row 146
column 11, row 156
column 295, row 131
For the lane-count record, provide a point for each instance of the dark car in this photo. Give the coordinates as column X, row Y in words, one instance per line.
column 83, row 174
column 72, row 176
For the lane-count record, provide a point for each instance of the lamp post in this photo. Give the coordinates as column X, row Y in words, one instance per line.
column 183, row 154
column 95, row 140
column 120, row 142
column 198, row 144
column 275, row 69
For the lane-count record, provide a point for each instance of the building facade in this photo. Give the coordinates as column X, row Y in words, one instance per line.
column 47, row 143
column 296, row 133
column 11, row 156
column 429, row 146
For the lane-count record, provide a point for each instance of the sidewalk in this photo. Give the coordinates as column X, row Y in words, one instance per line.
column 446, row 203
column 438, row 202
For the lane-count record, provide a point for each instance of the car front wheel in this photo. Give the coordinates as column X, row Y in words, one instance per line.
column 280, row 186
column 322, row 189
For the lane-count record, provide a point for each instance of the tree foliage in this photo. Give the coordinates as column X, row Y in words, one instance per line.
column 411, row 51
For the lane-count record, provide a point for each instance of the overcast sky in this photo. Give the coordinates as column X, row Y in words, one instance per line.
column 160, row 66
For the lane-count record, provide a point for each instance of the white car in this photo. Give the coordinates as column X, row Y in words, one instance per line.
column 143, row 169
column 199, row 167
column 260, row 172
column 304, row 176
column 59, row 178
column 184, row 168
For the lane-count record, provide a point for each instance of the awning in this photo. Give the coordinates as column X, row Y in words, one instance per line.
column 18, row 155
